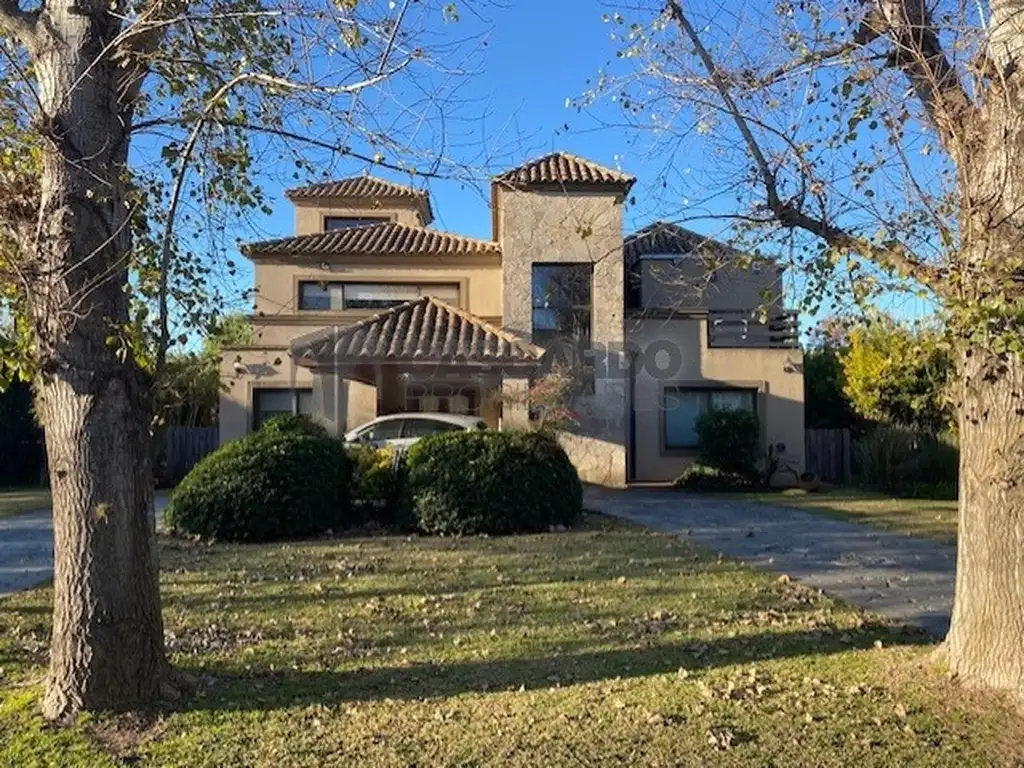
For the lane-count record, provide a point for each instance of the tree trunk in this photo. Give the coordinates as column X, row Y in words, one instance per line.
column 986, row 639
column 107, row 648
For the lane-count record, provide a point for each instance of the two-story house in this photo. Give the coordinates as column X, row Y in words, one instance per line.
column 366, row 311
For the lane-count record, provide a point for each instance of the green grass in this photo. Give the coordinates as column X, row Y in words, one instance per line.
column 930, row 518
column 603, row 646
column 15, row 501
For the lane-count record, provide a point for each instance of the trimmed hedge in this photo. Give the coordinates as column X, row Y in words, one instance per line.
column 492, row 482
column 269, row 485
column 288, row 424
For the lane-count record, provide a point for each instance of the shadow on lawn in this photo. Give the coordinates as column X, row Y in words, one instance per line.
column 270, row 690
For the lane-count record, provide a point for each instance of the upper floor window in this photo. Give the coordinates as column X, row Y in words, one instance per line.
column 324, row 296
column 562, row 303
column 347, row 222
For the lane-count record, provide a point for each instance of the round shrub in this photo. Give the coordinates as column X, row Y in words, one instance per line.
column 492, row 482
column 701, row 477
column 288, row 424
column 263, row 487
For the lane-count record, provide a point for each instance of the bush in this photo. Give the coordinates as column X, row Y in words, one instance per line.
column 263, row 487
column 729, row 440
column 288, row 424
column 701, row 477
column 900, row 461
column 492, row 482
column 373, row 480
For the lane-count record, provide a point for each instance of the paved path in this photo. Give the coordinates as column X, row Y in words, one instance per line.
column 26, row 548
column 901, row 577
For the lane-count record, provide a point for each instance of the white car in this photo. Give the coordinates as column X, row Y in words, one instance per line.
column 400, row 430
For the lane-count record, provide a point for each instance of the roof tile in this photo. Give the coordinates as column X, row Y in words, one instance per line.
column 386, row 238
column 369, row 187
column 563, row 168
column 426, row 330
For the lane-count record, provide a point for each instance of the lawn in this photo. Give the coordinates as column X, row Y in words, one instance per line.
column 15, row 501
column 606, row 645
column 930, row 518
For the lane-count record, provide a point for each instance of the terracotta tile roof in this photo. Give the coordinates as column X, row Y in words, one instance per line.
column 386, row 238
column 663, row 237
column 563, row 168
column 365, row 187
column 426, row 330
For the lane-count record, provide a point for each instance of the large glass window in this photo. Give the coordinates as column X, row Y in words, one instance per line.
column 325, row 296
column 562, row 303
column 442, row 398
column 268, row 403
column 681, row 408
column 347, row 222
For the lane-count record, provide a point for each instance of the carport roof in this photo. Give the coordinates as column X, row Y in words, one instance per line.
column 426, row 330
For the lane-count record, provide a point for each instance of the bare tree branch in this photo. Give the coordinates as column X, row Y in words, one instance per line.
column 918, row 53
column 894, row 256
column 18, row 22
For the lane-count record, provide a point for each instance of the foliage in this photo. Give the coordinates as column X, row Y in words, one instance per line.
column 898, row 375
column 188, row 392
column 826, row 405
column 374, row 479
column 492, row 482
column 22, row 452
column 900, row 461
column 293, row 424
column 549, row 400
column 701, row 477
column 730, row 440
column 265, row 486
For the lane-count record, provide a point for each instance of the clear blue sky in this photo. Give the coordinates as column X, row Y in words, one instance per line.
column 538, row 54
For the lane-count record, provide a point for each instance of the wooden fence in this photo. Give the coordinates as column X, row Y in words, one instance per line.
column 829, row 454
column 183, row 447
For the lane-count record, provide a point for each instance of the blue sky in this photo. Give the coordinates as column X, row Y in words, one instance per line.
column 538, row 54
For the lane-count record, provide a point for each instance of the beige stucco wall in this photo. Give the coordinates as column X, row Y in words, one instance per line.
column 668, row 284
column 309, row 214
column 271, row 367
column 277, row 282
column 775, row 373
column 574, row 226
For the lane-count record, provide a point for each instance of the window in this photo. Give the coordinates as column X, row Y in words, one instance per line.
column 424, row 427
column 442, row 398
column 389, row 429
column 562, row 303
column 682, row 406
column 348, row 222
column 268, row 403
column 325, row 296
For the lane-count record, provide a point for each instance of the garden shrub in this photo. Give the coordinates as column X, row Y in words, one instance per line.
column 729, row 440
column 903, row 462
column 288, row 424
column 373, row 480
column 701, row 477
column 492, row 482
column 265, row 486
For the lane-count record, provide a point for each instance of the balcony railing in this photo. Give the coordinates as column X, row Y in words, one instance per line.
column 728, row 328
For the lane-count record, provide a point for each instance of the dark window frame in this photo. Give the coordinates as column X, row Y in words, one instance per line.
column 708, row 391
column 354, row 221
column 424, row 290
column 295, row 393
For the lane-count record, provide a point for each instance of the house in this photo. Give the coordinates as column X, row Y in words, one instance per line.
column 366, row 310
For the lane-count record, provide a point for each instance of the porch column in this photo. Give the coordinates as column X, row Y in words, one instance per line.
column 330, row 401
column 515, row 408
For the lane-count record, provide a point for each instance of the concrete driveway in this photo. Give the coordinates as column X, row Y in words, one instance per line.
column 26, row 547
column 903, row 578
